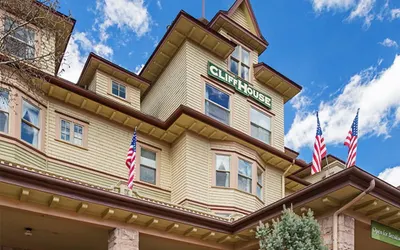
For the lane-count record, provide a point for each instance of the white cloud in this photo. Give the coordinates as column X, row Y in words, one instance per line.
column 129, row 15
column 159, row 4
column 300, row 101
column 395, row 13
column 391, row 175
column 359, row 9
column 363, row 10
column 389, row 43
column 78, row 48
column 376, row 93
column 138, row 69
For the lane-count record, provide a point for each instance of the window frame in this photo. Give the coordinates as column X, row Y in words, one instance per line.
column 38, row 128
column 155, row 150
column 72, row 121
column 28, row 27
column 260, row 185
column 223, row 90
column 119, row 84
column 7, row 112
column 265, row 113
column 229, row 171
column 251, row 178
column 240, row 61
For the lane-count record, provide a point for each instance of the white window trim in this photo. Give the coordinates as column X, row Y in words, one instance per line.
column 206, row 82
column 119, row 86
column 72, row 132
column 31, row 124
column 240, row 62
column 222, row 171
column 6, row 111
column 270, row 120
column 26, row 27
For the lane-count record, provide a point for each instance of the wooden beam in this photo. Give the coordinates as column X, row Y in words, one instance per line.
column 378, row 210
column 83, row 104
column 131, row 218
column 203, row 129
column 224, row 138
column 212, row 134
column 164, row 135
column 208, row 236
column 157, row 64
column 24, row 195
column 152, row 222
column 224, row 239
column 82, row 207
column 152, row 130
column 365, row 205
column 180, row 34
column 216, row 46
column 270, row 79
column 51, row 89
column 127, row 120
column 190, row 231
column 191, row 31
column 304, row 209
column 113, row 115
column 54, row 201
column 391, row 215
column 66, row 100
column 140, row 125
column 151, row 73
column 392, row 222
column 204, row 39
column 165, row 55
column 107, row 213
column 279, row 84
column 172, row 44
column 330, row 201
column 192, row 126
column 171, row 228
column 286, row 90
column 241, row 238
column 98, row 110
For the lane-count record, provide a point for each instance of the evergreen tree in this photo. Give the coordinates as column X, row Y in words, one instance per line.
column 291, row 232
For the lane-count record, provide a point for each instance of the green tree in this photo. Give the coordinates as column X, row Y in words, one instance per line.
column 291, row 232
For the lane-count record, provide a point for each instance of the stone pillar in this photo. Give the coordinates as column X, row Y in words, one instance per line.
column 123, row 239
column 346, row 229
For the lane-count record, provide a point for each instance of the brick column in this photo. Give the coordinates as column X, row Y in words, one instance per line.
column 123, row 239
column 345, row 232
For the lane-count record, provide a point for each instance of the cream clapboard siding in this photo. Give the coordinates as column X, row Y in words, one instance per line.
column 92, row 85
column 179, row 184
column 273, row 185
column 47, row 46
column 102, row 87
column 20, row 155
column 99, row 155
column 170, row 90
column 240, row 17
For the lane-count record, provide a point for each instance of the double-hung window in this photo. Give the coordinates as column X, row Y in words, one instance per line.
column 217, row 104
column 30, row 121
column 239, row 62
column 222, row 170
column 21, row 40
column 71, row 132
column 245, row 176
column 148, row 166
column 260, row 126
column 4, row 113
column 118, row 90
column 260, row 184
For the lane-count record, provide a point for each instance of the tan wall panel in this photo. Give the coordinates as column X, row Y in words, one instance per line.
column 179, row 184
column 273, row 185
column 99, row 155
column 240, row 17
column 47, row 47
column 103, row 87
column 170, row 90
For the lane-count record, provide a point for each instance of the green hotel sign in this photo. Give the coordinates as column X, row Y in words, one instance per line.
column 239, row 84
column 385, row 234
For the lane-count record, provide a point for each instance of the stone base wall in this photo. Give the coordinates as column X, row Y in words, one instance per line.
column 123, row 239
column 346, row 232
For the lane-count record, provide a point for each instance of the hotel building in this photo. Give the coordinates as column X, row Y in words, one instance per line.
column 211, row 159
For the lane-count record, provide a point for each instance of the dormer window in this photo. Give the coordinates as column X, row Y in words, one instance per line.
column 119, row 90
column 21, row 40
column 239, row 62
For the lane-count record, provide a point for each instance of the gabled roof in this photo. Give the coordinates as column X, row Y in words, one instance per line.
column 247, row 5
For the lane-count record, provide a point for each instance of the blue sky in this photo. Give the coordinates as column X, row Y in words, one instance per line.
column 345, row 54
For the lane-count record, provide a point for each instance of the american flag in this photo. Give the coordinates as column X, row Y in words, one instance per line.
column 351, row 142
column 319, row 150
column 131, row 160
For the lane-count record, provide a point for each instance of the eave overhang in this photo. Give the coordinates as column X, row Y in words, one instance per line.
column 184, row 27
column 222, row 21
column 277, row 81
column 18, row 183
column 95, row 62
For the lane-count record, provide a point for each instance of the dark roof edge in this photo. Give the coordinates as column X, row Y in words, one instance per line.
column 263, row 64
column 111, row 64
